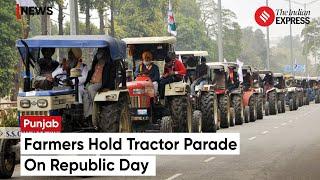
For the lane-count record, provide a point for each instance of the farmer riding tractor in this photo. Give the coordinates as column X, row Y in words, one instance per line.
column 270, row 93
column 219, row 73
column 314, row 84
column 203, row 97
column 148, row 113
column 236, row 97
column 258, row 87
column 280, row 85
column 253, row 105
column 110, row 106
column 291, row 97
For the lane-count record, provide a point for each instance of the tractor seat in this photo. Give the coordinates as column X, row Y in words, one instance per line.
column 47, row 93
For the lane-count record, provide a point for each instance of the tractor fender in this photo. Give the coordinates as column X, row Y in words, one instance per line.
column 112, row 95
column 269, row 90
column 207, row 88
column 177, row 89
column 246, row 97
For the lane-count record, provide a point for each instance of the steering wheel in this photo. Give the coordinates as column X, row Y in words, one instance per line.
column 59, row 79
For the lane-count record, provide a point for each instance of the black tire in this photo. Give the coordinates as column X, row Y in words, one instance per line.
column 272, row 97
column 260, row 107
column 317, row 99
column 179, row 110
column 267, row 109
column 295, row 101
column 207, row 108
column 224, row 106
column 283, row 104
column 238, row 109
column 291, row 105
column 279, row 107
column 7, row 159
column 115, row 117
column 166, row 124
column 252, row 109
column 247, row 114
column 197, row 121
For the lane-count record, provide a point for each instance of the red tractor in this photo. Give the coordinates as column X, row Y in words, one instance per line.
column 149, row 114
column 251, row 96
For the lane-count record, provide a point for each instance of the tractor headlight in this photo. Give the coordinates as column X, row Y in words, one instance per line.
column 179, row 89
column 138, row 91
column 25, row 103
column 42, row 103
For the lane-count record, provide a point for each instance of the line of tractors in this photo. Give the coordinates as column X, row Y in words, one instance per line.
column 232, row 95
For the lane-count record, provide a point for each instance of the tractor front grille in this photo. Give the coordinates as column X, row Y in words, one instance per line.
column 34, row 113
column 139, row 102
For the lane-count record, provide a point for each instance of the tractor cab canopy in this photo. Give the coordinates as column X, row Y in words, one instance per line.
column 191, row 58
column 219, row 74
column 157, row 46
column 279, row 80
column 30, row 48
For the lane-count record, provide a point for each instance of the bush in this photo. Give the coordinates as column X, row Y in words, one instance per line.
column 9, row 118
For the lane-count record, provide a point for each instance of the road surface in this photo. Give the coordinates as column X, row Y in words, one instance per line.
column 286, row 146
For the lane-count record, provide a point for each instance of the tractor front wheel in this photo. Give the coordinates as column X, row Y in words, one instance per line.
column 208, row 112
column 7, row 158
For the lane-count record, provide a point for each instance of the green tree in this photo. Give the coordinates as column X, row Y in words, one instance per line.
column 10, row 30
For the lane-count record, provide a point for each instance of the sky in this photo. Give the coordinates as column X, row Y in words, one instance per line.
column 245, row 10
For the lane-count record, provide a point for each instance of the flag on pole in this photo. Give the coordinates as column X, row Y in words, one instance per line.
column 172, row 28
column 225, row 60
column 240, row 64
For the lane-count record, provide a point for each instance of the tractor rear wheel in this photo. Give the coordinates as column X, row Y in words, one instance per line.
column 291, row 105
column 273, row 102
column 115, row 117
column 7, row 158
column 181, row 112
column 207, row 108
column 238, row 109
column 260, row 107
column 224, row 106
column 166, row 124
column 253, row 109
column 197, row 121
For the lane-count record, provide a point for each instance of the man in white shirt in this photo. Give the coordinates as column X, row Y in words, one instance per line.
column 74, row 61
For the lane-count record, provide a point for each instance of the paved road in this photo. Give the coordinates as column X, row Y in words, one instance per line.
column 286, row 146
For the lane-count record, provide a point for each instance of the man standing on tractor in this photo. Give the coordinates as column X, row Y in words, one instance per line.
column 147, row 67
column 174, row 71
column 268, row 81
column 201, row 75
column 45, row 66
column 98, row 77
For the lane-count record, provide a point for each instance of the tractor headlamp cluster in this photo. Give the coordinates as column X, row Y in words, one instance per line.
column 25, row 103
column 138, row 91
column 42, row 103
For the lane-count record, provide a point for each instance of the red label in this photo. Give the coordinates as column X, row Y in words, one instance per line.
column 265, row 16
column 18, row 13
column 40, row 123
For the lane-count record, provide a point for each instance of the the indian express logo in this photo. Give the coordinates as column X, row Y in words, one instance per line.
column 265, row 16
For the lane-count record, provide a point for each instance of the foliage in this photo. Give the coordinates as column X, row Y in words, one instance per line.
column 9, row 118
column 9, row 33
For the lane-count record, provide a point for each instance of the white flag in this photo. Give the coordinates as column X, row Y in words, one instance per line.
column 240, row 64
column 172, row 28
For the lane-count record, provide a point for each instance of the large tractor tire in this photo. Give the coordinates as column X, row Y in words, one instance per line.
column 181, row 112
column 295, row 101
column 273, row 103
column 115, row 117
column 166, row 124
column 238, row 109
column 317, row 99
column 283, row 104
column 266, row 109
column 7, row 158
column 197, row 121
column 224, row 106
column 260, row 107
column 247, row 114
column 253, row 109
column 208, row 117
column 291, row 105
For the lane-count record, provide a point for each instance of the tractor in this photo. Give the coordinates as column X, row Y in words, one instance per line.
column 148, row 113
column 280, row 85
column 314, row 84
column 204, row 100
column 251, row 96
column 292, row 99
column 269, row 91
column 258, row 87
column 111, row 106
column 219, row 73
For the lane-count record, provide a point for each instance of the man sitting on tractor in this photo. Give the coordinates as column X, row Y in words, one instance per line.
column 98, row 77
column 268, row 81
column 201, row 75
column 174, row 71
column 147, row 67
column 74, row 61
column 45, row 67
